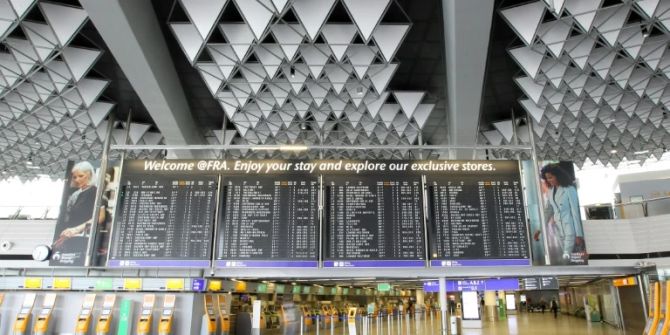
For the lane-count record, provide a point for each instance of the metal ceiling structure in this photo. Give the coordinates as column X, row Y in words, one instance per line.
column 284, row 73
column 595, row 77
column 51, row 102
column 589, row 77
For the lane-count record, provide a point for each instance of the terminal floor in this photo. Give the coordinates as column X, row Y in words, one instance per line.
column 521, row 324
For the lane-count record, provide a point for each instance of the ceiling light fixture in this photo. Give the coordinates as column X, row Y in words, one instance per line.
column 293, row 148
column 613, row 151
column 641, row 152
column 359, row 90
column 292, row 72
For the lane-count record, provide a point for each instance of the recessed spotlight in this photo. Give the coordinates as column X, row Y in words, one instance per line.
column 359, row 90
column 292, row 72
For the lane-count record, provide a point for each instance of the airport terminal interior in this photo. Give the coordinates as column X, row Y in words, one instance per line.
column 334, row 167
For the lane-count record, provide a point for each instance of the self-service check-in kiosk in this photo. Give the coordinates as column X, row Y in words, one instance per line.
column 22, row 321
column 665, row 329
column 224, row 315
column 351, row 320
column 44, row 320
column 2, row 298
column 104, row 324
column 146, row 315
column 209, row 325
column 654, row 309
column 325, row 312
column 307, row 315
column 84, row 319
column 167, row 315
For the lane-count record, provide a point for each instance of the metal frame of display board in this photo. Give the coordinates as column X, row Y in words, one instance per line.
column 14, row 269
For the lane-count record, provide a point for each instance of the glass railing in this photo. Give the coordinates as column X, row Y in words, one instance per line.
column 29, row 212
column 639, row 209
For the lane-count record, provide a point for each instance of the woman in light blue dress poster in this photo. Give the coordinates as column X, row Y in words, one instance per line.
column 562, row 215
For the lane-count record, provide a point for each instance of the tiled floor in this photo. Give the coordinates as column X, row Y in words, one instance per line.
column 522, row 324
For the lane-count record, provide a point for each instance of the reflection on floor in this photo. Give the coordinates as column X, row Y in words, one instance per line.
column 522, row 324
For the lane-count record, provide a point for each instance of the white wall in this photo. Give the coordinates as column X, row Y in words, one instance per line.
column 25, row 235
column 628, row 236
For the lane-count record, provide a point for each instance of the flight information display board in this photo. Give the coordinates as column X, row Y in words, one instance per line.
column 373, row 220
column 269, row 221
column 164, row 220
column 540, row 283
column 477, row 218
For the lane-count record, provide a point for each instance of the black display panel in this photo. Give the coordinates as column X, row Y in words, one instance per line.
column 373, row 220
column 269, row 221
column 539, row 283
column 477, row 218
column 164, row 220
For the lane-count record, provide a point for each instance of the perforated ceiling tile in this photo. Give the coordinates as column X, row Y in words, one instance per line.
column 305, row 81
column 592, row 74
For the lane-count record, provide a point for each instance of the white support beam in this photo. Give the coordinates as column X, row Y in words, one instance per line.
column 467, row 26
column 131, row 31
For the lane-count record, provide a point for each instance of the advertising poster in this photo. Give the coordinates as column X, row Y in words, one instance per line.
column 76, row 215
column 562, row 227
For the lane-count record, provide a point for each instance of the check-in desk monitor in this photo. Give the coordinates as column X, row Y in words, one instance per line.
column 146, row 315
column 44, row 319
column 83, row 324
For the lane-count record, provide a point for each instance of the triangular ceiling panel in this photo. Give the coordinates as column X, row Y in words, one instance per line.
column 408, row 101
column 204, row 14
column 313, row 14
column 64, row 20
column 388, row 38
column 189, row 39
column 525, row 19
column 422, row 113
column 289, row 37
column 256, row 14
column 583, row 12
column 528, row 59
column 338, row 36
column 316, row 57
column 240, row 36
column 366, row 14
column 381, row 74
column 361, row 57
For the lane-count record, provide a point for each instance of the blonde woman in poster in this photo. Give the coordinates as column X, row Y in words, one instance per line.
column 563, row 214
column 79, row 206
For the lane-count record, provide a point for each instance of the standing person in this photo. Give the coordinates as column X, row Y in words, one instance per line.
column 543, row 305
column 554, row 307
column 563, row 209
